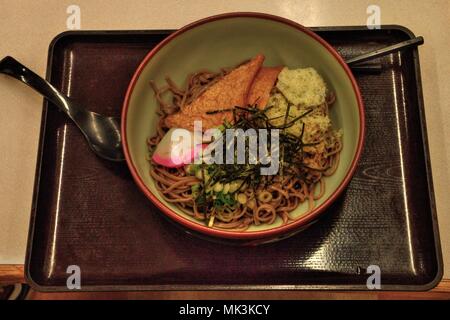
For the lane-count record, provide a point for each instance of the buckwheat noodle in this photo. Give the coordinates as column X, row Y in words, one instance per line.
column 277, row 196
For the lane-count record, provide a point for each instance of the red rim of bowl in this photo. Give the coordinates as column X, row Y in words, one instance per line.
column 301, row 221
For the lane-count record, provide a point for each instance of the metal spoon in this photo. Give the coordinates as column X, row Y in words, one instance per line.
column 103, row 133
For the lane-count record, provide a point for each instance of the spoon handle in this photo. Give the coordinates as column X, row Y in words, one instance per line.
column 15, row 69
column 384, row 51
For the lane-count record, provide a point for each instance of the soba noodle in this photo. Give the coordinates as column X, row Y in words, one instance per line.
column 275, row 196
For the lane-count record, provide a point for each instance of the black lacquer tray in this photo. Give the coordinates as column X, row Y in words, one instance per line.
column 88, row 212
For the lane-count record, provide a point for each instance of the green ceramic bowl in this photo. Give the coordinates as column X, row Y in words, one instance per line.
column 223, row 41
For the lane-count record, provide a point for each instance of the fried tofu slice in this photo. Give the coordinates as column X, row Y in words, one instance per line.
column 230, row 91
column 262, row 85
